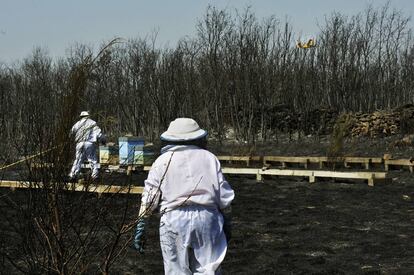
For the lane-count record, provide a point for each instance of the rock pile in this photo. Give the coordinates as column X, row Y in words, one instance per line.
column 375, row 124
column 383, row 123
column 323, row 121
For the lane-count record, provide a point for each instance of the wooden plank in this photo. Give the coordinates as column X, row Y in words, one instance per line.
column 312, row 174
column 285, row 159
column 318, row 159
column 401, row 162
column 239, row 158
column 39, row 165
column 80, row 187
column 398, row 162
column 300, row 160
column 321, row 160
column 246, row 159
column 362, row 159
column 241, row 171
column 366, row 161
column 350, row 175
column 371, row 177
column 286, row 172
column 377, row 160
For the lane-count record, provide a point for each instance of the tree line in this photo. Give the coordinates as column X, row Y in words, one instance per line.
column 235, row 74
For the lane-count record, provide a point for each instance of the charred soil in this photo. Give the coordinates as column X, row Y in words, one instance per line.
column 288, row 226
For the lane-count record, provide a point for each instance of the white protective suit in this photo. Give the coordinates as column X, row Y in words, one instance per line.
column 86, row 133
column 190, row 196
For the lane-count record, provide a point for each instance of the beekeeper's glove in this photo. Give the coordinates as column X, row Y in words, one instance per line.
column 139, row 238
column 227, row 217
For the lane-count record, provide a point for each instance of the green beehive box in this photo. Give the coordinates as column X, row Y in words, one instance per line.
column 145, row 155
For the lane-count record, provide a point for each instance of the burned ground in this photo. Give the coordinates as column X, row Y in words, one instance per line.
column 285, row 226
column 288, row 226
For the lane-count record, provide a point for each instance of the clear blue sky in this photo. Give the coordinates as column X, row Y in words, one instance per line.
column 58, row 24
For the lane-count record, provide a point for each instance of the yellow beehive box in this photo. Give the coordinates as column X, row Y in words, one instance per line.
column 109, row 155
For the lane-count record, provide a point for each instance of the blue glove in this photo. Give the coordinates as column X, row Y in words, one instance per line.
column 139, row 238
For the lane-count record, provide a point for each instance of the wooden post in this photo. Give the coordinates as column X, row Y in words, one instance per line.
column 259, row 177
column 371, row 181
column 386, row 165
column 367, row 164
column 312, row 179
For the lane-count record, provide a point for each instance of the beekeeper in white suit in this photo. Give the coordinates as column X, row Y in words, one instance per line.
column 187, row 183
column 87, row 134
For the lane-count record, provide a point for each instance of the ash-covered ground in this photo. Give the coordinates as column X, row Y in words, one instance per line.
column 285, row 225
column 288, row 226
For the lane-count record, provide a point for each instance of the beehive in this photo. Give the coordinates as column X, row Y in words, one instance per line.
column 144, row 155
column 108, row 155
column 129, row 148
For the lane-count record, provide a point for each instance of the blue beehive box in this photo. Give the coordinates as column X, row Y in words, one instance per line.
column 128, row 147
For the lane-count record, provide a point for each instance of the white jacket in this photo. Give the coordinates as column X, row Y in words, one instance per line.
column 193, row 176
column 86, row 129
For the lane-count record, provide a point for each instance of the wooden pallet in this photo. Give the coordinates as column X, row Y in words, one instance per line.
column 321, row 161
column 285, row 161
column 399, row 162
column 366, row 161
column 307, row 161
column 370, row 177
column 312, row 175
column 282, row 161
column 80, row 187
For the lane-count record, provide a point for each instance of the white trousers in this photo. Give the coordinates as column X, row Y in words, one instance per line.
column 85, row 150
column 192, row 241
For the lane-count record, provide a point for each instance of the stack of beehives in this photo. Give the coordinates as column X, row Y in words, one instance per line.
column 380, row 123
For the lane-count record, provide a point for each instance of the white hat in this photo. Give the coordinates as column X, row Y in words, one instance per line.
column 84, row 113
column 183, row 129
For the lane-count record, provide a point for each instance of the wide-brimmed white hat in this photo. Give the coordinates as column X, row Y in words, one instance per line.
column 183, row 129
column 84, row 113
